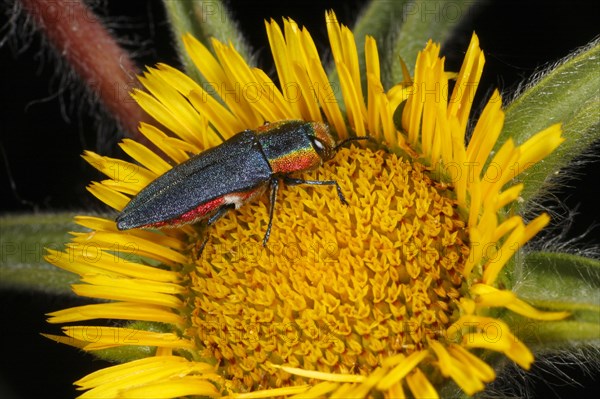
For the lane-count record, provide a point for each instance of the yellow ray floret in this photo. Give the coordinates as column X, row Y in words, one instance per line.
column 117, row 311
column 116, row 381
column 108, row 337
column 488, row 296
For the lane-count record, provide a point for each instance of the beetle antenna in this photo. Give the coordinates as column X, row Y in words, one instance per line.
column 341, row 143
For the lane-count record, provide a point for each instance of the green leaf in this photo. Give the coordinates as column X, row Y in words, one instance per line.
column 125, row 353
column 204, row 19
column 128, row 353
column 569, row 93
column 559, row 282
column 23, row 240
column 402, row 28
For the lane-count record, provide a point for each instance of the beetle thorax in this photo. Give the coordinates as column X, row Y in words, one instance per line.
column 289, row 148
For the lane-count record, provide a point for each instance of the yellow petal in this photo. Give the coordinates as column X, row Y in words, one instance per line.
column 420, row 386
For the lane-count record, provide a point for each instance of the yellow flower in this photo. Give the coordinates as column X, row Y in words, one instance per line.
column 398, row 291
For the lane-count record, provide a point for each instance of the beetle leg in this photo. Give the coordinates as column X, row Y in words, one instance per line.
column 220, row 213
column 292, row 182
column 272, row 200
column 201, row 250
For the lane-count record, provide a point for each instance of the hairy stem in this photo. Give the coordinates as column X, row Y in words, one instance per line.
column 81, row 39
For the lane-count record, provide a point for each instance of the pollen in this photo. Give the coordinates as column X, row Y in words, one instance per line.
column 339, row 288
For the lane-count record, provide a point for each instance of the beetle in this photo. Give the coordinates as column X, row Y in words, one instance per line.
column 233, row 173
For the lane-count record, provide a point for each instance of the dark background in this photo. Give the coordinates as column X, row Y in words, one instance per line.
column 45, row 126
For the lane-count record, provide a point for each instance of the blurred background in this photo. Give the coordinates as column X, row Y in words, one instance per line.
column 46, row 124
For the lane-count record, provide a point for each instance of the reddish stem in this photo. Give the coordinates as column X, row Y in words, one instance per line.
column 78, row 35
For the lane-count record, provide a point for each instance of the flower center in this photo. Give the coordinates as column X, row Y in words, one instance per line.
column 338, row 287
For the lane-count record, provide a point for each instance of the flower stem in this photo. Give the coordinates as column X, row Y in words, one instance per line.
column 81, row 39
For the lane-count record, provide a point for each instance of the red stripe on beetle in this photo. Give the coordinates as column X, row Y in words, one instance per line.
column 190, row 216
column 200, row 212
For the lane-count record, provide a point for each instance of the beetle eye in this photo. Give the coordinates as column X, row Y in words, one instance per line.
column 319, row 147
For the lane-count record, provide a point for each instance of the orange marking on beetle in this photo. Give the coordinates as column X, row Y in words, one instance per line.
column 190, row 216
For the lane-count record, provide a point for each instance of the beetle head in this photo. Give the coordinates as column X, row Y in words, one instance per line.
column 322, row 140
